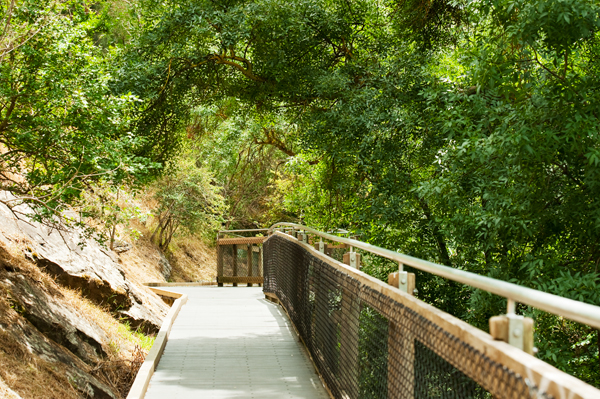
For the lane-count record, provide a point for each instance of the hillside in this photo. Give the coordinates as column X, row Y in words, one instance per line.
column 76, row 320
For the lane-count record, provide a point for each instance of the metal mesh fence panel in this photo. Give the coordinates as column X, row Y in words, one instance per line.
column 367, row 345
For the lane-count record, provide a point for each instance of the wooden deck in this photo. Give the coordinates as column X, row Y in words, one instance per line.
column 229, row 342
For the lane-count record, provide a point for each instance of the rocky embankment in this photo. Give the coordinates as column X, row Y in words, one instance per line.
column 39, row 327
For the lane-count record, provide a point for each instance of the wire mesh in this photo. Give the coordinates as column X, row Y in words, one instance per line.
column 366, row 345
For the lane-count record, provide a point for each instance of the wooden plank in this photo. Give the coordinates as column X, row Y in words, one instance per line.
column 540, row 373
column 190, row 284
column 272, row 297
column 235, row 263
column 161, row 292
column 241, row 240
column 249, row 255
column 241, row 280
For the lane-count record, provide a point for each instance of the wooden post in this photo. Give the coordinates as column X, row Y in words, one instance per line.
column 499, row 330
column 249, row 263
column 349, row 343
column 407, row 284
column 260, row 263
column 401, row 360
column 235, row 265
column 320, row 246
column 219, row 264
column 352, row 259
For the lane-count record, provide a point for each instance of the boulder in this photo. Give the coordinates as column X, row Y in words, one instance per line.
column 146, row 313
column 121, row 246
column 165, row 266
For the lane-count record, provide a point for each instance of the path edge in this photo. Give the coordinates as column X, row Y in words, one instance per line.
column 273, row 298
column 192, row 284
column 144, row 374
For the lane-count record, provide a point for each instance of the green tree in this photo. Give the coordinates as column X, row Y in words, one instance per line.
column 187, row 199
column 246, row 157
column 61, row 129
column 467, row 135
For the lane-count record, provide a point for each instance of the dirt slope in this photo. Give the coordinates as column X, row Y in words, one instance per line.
column 77, row 322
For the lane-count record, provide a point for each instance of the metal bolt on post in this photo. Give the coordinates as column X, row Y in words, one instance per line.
column 352, row 259
column 512, row 328
column 406, row 280
column 321, row 246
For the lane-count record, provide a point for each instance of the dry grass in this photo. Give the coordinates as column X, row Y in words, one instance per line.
column 32, row 377
column 120, row 374
column 6, row 392
column 26, row 374
column 192, row 260
column 141, row 262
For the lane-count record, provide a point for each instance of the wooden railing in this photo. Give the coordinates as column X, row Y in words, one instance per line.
column 239, row 259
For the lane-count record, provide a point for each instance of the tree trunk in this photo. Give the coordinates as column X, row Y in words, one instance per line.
column 112, row 238
column 437, row 234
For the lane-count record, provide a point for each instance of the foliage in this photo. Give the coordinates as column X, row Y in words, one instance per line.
column 117, row 21
column 187, row 199
column 234, row 146
column 109, row 208
column 61, row 129
column 466, row 135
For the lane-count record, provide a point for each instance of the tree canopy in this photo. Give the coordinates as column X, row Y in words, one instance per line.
column 62, row 129
column 462, row 132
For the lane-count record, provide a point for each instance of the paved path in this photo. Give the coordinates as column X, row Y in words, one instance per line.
column 230, row 342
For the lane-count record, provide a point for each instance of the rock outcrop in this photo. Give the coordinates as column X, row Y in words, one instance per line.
column 55, row 319
column 42, row 325
column 81, row 263
column 49, row 351
column 165, row 266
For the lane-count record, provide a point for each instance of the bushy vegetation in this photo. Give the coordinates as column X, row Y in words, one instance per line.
column 457, row 131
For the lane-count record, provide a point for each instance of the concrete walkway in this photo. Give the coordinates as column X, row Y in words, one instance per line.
column 229, row 342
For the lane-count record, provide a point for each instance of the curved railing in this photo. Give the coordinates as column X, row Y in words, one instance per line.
column 570, row 309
